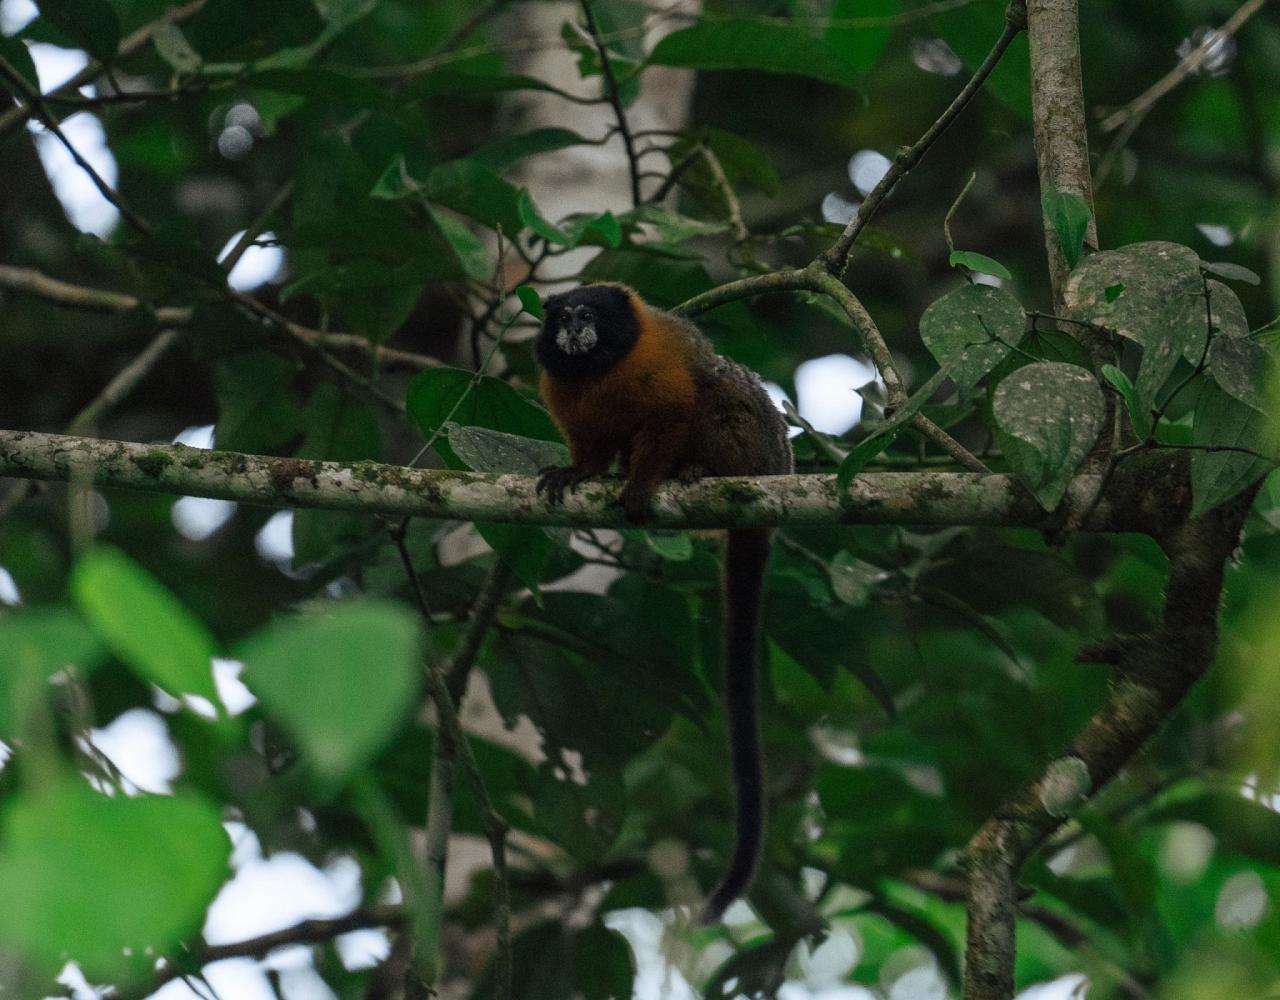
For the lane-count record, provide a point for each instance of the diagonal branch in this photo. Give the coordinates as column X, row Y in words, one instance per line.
column 836, row 259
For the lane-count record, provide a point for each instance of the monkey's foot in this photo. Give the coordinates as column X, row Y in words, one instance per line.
column 556, row 480
column 635, row 501
column 690, row 474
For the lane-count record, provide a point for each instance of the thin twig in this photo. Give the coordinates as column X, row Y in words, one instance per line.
column 448, row 685
column 946, row 219
column 836, row 259
column 14, row 117
column 62, row 293
column 1141, row 106
column 315, row 931
column 34, row 102
column 615, row 101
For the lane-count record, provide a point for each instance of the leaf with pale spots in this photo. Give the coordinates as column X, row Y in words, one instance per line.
column 1048, row 415
column 1160, row 305
column 975, row 327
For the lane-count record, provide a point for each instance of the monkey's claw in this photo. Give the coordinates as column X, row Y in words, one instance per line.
column 556, row 480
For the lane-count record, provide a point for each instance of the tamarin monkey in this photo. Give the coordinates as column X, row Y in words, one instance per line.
column 624, row 380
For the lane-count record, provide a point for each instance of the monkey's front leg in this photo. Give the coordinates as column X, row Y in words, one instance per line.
column 588, row 458
column 656, row 453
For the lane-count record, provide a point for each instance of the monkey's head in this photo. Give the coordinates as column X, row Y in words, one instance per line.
column 588, row 330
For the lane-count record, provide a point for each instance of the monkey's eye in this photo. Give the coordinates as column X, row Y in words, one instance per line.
column 586, row 316
column 566, row 315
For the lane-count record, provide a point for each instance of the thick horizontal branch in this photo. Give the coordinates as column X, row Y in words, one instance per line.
column 1147, row 497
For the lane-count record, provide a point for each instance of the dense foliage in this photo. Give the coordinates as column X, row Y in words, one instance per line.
column 916, row 679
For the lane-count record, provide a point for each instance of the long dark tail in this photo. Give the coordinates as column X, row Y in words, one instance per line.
column 746, row 553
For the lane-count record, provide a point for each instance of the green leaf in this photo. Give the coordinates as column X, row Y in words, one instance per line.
column 1161, row 305
column 1068, row 214
column 1139, row 416
column 1050, row 413
column 676, row 546
column 15, row 52
column 753, row 45
column 742, row 160
column 974, row 328
column 145, row 625
column 443, row 394
column 249, row 30
column 503, row 152
column 970, row 30
column 1225, row 422
column 173, row 48
column 108, row 882
column 324, row 87
column 884, row 435
column 1232, row 272
column 992, row 578
column 35, row 645
column 979, row 262
column 1242, row 368
column 472, row 188
column 255, row 413
column 531, row 217
column 860, row 45
column 376, row 312
column 339, row 429
column 485, row 450
column 91, row 24
column 453, row 82
column 307, row 671
column 473, row 255
column 531, row 301
column 854, row 580
column 467, row 186
column 672, row 227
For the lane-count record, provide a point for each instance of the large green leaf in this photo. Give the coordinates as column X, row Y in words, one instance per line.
column 1151, row 293
column 91, row 24
column 1238, row 431
column 485, row 450
column 1049, row 414
column 35, row 645
column 255, row 413
column 1243, row 368
column 106, row 882
column 144, row 623
column 452, row 394
column 503, row 152
column 340, row 428
column 974, row 328
column 754, row 45
column 859, row 40
column 339, row 680
column 1068, row 215
column 971, row 30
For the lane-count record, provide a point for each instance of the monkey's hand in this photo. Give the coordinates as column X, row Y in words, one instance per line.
column 556, row 480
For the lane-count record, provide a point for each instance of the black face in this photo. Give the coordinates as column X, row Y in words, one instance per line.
column 587, row 331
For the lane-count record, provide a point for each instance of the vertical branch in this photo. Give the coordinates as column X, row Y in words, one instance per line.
column 1058, row 120
column 447, row 683
column 1153, row 674
column 615, row 99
